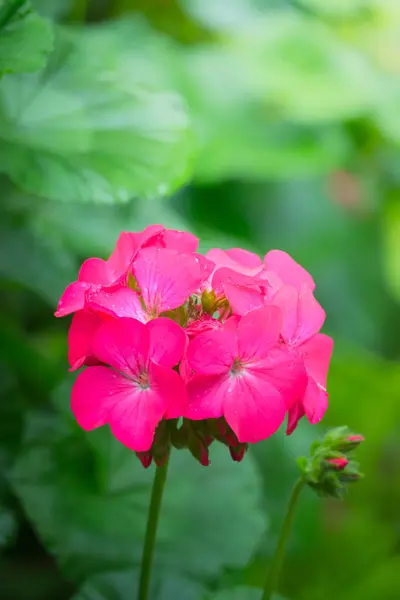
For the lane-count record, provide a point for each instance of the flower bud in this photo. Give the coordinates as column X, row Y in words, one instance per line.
column 146, row 458
column 338, row 463
column 238, row 452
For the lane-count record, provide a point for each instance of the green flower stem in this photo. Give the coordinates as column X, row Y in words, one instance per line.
column 277, row 561
column 151, row 530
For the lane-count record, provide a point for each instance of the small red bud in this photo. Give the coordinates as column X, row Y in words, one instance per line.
column 338, row 463
column 238, row 452
column 357, row 439
column 204, row 460
column 145, row 458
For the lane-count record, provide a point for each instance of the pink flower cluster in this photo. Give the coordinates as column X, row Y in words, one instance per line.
column 227, row 341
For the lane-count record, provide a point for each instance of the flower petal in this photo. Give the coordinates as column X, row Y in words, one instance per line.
column 73, row 298
column 182, row 241
column 302, row 315
column 243, row 299
column 285, row 370
column 94, row 393
column 123, row 302
column 253, row 407
column 288, row 270
column 206, row 395
column 258, row 332
column 295, row 413
column 95, row 270
column 169, row 386
column 213, row 352
column 315, row 401
column 237, row 259
column 166, row 278
column 80, row 335
column 167, row 342
column 123, row 344
column 134, row 419
column 316, row 354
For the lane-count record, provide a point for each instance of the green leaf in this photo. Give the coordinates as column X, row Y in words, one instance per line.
column 121, row 586
column 25, row 38
column 391, row 246
column 301, row 68
column 89, row 505
column 35, row 263
column 239, row 593
column 238, row 134
column 8, row 526
column 97, row 125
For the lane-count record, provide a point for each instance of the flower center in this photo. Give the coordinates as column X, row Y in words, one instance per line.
column 143, row 380
column 237, row 367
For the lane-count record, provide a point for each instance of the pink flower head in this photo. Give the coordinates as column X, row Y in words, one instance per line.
column 303, row 318
column 242, row 374
column 166, row 279
column 96, row 274
column 140, row 388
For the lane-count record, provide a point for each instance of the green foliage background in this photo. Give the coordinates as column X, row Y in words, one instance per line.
column 255, row 123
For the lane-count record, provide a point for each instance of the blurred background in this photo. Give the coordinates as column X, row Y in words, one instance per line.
column 254, row 123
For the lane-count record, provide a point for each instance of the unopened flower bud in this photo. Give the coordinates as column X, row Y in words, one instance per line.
column 338, row 463
column 238, row 452
column 146, row 458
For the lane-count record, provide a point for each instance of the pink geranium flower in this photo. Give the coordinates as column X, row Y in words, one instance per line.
column 303, row 318
column 105, row 275
column 166, row 279
column 242, row 373
column 139, row 387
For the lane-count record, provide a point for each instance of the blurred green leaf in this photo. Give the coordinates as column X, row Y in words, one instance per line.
column 239, row 593
column 121, row 586
column 90, row 506
column 8, row 526
column 25, row 38
column 391, row 246
column 94, row 126
column 35, row 263
column 238, row 134
column 298, row 65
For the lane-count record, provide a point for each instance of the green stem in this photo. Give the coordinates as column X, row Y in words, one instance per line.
column 277, row 561
column 151, row 530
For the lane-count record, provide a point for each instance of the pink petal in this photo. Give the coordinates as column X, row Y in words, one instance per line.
column 315, row 401
column 95, row 270
column 258, row 332
column 236, row 259
column 316, row 354
column 127, row 247
column 213, row 352
column 80, row 335
column 167, row 342
column 123, row 302
column 206, row 396
column 296, row 412
column 169, row 385
column 243, row 299
column 225, row 275
column 180, row 240
column 245, row 258
column 73, row 298
column 134, row 419
column 253, row 407
column 284, row 369
column 95, row 391
column 123, row 344
column 287, row 269
column 303, row 316
column 166, row 278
